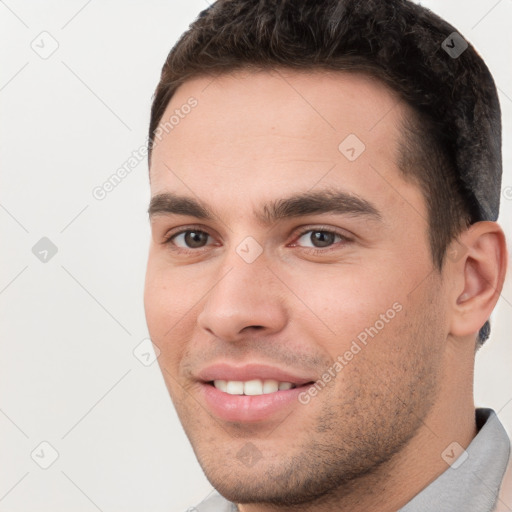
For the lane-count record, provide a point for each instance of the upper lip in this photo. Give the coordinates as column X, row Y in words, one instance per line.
column 227, row 371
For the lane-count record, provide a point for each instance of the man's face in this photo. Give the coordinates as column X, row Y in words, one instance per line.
column 263, row 284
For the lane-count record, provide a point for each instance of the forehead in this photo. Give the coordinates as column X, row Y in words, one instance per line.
column 286, row 128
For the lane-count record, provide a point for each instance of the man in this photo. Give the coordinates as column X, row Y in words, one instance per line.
column 325, row 181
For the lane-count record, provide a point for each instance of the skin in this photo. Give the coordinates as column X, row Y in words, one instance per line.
column 373, row 437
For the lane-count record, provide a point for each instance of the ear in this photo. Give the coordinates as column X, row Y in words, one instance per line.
column 477, row 261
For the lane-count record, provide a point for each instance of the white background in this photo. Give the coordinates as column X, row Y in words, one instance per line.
column 68, row 375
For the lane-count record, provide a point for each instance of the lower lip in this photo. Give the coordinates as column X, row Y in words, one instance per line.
column 246, row 408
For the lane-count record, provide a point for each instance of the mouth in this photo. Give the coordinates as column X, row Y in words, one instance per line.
column 251, row 393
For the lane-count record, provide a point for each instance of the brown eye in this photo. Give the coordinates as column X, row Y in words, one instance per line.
column 190, row 239
column 318, row 238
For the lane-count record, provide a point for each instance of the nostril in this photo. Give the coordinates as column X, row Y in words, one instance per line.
column 255, row 327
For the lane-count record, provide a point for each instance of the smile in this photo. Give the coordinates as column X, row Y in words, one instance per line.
column 252, row 387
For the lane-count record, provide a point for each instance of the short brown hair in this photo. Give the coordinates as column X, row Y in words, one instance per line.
column 451, row 146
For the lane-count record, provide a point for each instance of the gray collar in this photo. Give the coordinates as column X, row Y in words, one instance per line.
column 473, row 485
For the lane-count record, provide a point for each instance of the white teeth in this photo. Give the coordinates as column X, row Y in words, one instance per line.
column 235, row 387
column 251, row 387
column 220, row 384
column 270, row 386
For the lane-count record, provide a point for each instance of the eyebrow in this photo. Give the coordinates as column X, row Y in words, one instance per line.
column 298, row 205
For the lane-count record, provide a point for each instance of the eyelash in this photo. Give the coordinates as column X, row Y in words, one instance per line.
column 312, row 250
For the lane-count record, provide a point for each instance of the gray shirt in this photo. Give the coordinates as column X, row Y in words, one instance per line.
column 471, row 483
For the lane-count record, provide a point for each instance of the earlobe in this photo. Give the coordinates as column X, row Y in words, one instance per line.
column 478, row 277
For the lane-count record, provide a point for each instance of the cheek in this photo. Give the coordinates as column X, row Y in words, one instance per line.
column 346, row 300
column 169, row 296
column 169, row 299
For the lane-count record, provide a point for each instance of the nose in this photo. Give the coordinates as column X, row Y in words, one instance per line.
column 247, row 299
